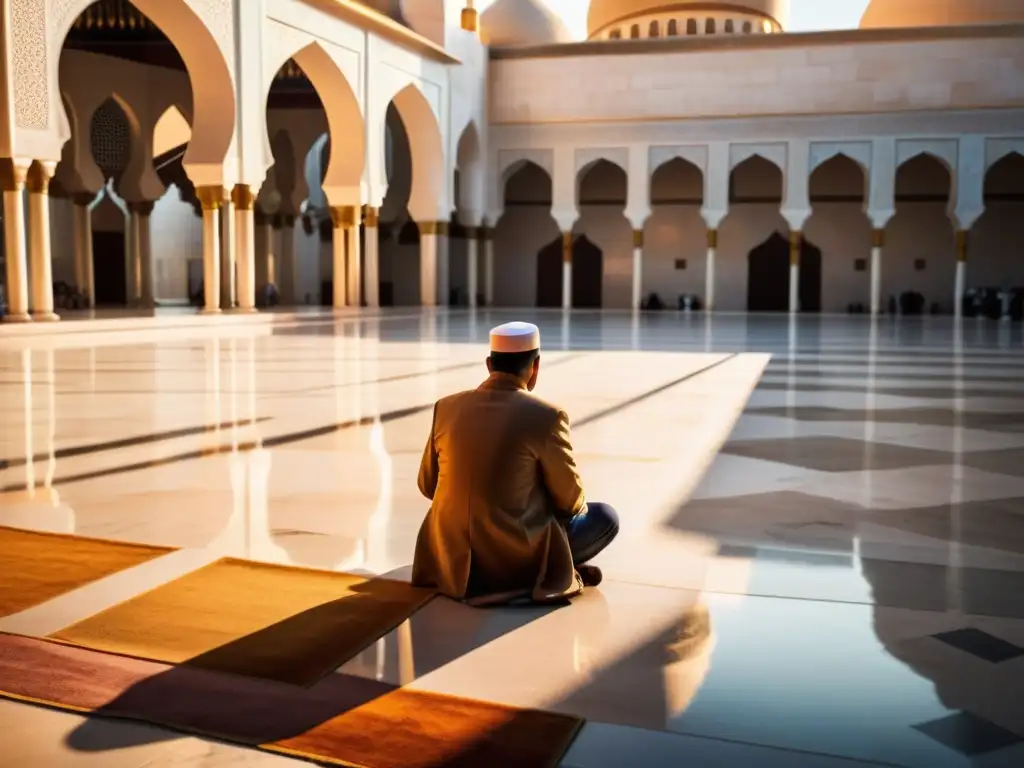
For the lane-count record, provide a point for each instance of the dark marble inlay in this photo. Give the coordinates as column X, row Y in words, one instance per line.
column 969, row 734
column 934, row 393
column 858, row 376
column 932, row 417
column 979, row 643
column 837, row 454
column 1009, row 461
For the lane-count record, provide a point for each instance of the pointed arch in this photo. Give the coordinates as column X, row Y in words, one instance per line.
column 213, row 90
column 469, row 164
column 426, row 145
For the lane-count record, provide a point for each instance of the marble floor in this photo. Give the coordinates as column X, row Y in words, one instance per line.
column 821, row 560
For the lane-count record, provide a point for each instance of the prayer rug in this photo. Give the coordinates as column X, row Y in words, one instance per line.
column 342, row 720
column 37, row 567
column 293, row 625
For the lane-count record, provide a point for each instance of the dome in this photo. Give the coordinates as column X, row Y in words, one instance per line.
column 522, row 22
column 939, row 13
column 604, row 13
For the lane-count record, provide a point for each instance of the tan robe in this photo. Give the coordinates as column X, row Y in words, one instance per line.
column 500, row 471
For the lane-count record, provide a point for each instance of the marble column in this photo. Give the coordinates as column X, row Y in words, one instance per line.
column 16, row 278
column 141, row 282
column 40, row 253
column 353, row 259
column 83, row 245
column 343, row 218
column 371, row 256
column 567, row 270
column 638, row 268
column 795, row 241
column 877, row 244
column 960, row 280
column 431, row 233
column 472, row 254
column 285, row 258
column 245, row 247
column 709, row 271
column 228, row 291
column 211, row 198
column 487, row 235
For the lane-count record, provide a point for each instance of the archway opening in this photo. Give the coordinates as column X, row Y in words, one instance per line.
column 603, row 276
column 765, row 292
column 755, row 199
column 524, row 228
column 995, row 259
column 920, row 245
column 675, row 239
column 399, row 233
column 840, row 227
column 110, row 141
column 468, row 194
column 291, row 203
column 587, row 268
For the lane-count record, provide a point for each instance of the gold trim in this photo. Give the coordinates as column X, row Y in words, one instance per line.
column 242, row 197
column 638, row 238
column 567, row 247
column 470, row 18
column 796, row 239
column 37, row 180
column 211, row 197
column 961, row 245
column 438, row 228
column 712, row 238
column 343, row 216
column 371, row 216
column 878, row 238
column 691, row 9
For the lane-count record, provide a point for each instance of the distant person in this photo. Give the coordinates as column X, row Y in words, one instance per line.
column 509, row 520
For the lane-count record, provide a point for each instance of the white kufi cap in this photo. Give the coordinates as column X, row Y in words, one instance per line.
column 515, row 337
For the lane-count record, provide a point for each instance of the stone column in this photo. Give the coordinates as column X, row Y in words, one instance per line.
column 227, row 254
column 487, row 235
column 343, row 218
column 40, row 254
column 795, row 241
column 709, row 271
column 211, row 198
column 141, row 288
column 285, row 257
column 430, row 233
column 16, row 277
column 132, row 258
column 472, row 251
column 83, row 245
column 877, row 244
column 371, row 259
column 638, row 268
column 245, row 247
column 353, row 264
column 567, row 270
column 960, row 280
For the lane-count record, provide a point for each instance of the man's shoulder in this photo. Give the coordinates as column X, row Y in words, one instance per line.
column 517, row 399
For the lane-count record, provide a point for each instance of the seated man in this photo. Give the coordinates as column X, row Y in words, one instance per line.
column 508, row 518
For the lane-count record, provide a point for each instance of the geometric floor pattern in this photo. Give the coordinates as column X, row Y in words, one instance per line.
column 821, row 560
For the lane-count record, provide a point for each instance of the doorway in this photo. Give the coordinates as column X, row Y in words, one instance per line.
column 110, row 275
column 587, row 274
column 768, row 276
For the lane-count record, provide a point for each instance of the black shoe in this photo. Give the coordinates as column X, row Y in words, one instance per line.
column 590, row 574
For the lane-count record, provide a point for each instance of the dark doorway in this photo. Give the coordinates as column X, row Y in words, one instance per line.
column 110, row 275
column 768, row 278
column 587, row 274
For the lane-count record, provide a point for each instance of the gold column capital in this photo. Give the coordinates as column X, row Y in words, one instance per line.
column 343, row 216
column 712, row 238
column 242, row 197
column 638, row 238
column 210, row 197
column 878, row 238
column 37, row 180
column 13, row 174
column 470, row 17
column 796, row 238
column 371, row 216
column 439, row 228
column 567, row 247
column 961, row 245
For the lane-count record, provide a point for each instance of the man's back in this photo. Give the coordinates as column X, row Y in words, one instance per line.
column 499, row 469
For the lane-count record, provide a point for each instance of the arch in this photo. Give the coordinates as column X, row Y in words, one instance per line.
column 842, row 164
column 654, row 29
column 587, row 274
column 709, row 26
column 1004, row 173
column 171, row 130
column 634, row 32
column 773, row 153
column 673, row 28
column 470, row 168
column 679, row 167
column 426, row 145
column 768, row 276
column 528, row 172
column 997, row 149
column 929, row 155
column 602, row 165
column 769, row 184
column 920, row 162
column 90, row 171
column 213, row 90
column 345, row 124
column 691, row 26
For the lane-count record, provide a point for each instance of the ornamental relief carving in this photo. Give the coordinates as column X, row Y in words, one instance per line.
column 31, row 83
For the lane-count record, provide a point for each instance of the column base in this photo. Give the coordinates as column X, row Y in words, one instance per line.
column 214, row 311
column 45, row 317
column 245, row 311
column 19, row 318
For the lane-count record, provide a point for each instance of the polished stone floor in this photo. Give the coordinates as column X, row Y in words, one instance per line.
column 822, row 554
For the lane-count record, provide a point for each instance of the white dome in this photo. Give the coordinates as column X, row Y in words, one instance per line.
column 939, row 13
column 522, row 22
column 604, row 13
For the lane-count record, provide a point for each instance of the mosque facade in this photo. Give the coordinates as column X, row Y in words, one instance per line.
column 236, row 156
